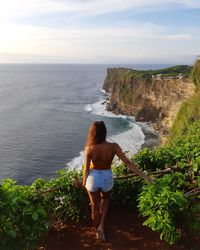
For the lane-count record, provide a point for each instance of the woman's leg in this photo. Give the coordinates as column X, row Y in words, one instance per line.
column 105, row 200
column 95, row 200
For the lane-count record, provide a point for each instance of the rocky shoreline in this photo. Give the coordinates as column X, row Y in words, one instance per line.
column 148, row 99
column 152, row 136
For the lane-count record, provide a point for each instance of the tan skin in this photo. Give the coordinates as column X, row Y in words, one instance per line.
column 94, row 155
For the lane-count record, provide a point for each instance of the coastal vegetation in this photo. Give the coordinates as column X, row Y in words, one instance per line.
column 174, row 71
column 196, row 73
column 169, row 205
column 190, row 109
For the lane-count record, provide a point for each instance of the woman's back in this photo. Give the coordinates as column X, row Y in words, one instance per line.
column 102, row 155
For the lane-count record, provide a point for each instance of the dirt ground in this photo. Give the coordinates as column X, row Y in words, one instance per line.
column 123, row 231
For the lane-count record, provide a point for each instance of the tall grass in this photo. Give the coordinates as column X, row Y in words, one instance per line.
column 190, row 109
column 196, row 73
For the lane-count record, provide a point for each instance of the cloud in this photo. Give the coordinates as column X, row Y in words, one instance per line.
column 21, row 35
column 177, row 36
column 78, row 43
column 187, row 3
column 19, row 8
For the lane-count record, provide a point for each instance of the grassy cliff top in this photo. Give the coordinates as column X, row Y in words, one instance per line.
column 125, row 73
column 172, row 71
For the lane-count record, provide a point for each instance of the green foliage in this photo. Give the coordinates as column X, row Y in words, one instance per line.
column 22, row 216
column 68, row 202
column 124, row 74
column 196, row 72
column 190, row 109
column 120, row 170
column 125, row 191
column 189, row 112
column 165, row 205
column 183, row 153
column 26, row 214
column 173, row 71
column 187, row 147
column 152, row 160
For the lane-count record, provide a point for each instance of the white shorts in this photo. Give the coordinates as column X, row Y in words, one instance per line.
column 99, row 180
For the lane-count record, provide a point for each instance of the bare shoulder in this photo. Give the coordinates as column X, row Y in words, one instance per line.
column 114, row 145
column 88, row 149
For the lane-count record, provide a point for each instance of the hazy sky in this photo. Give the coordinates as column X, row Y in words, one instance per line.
column 99, row 31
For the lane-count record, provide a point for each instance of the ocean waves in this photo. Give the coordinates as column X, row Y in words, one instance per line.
column 129, row 137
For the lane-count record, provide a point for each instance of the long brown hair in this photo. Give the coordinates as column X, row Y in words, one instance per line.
column 97, row 133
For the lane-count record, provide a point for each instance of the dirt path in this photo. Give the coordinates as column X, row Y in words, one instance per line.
column 124, row 231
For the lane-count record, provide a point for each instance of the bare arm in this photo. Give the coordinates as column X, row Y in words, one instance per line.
column 129, row 164
column 86, row 165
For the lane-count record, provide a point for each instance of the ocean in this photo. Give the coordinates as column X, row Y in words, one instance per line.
column 45, row 114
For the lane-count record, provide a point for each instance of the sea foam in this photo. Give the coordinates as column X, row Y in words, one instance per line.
column 99, row 108
column 130, row 140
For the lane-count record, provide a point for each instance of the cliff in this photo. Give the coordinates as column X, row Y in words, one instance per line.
column 150, row 96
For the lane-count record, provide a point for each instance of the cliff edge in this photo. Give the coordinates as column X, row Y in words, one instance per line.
column 151, row 96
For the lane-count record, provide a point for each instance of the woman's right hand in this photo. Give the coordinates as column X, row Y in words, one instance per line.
column 78, row 182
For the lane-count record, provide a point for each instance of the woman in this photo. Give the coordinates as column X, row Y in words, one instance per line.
column 97, row 174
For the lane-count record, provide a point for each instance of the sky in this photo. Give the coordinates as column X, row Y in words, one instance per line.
column 99, row 31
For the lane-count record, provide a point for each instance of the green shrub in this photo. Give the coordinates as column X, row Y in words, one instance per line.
column 23, row 219
column 152, row 160
column 165, row 206
column 26, row 213
column 125, row 190
column 196, row 72
column 188, row 113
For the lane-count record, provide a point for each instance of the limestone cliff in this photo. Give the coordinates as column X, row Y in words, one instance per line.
column 155, row 98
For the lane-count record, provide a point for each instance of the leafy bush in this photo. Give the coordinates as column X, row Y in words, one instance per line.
column 188, row 113
column 125, row 190
column 196, row 72
column 68, row 202
column 22, row 217
column 152, row 160
column 165, row 205
column 26, row 213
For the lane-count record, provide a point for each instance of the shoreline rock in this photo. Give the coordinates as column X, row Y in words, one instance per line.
column 152, row 137
column 147, row 99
